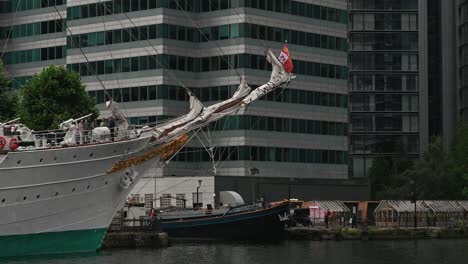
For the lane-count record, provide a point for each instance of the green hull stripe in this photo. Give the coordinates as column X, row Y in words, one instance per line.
column 75, row 241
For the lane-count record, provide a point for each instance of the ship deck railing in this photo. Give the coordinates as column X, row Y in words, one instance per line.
column 45, row 139
column 55, row 138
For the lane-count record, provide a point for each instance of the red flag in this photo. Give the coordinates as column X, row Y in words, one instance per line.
column 285, row 59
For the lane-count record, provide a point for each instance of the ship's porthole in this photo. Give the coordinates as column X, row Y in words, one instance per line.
column 90, row 155
column 18, row 162
column 24, row 198
column 73, row 190
column 3, row 200
column 38, row 196
column 56, row 194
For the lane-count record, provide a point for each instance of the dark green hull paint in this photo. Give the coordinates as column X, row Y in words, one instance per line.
column 76, row 241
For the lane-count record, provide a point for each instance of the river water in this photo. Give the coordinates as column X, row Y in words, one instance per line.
column 286, row 252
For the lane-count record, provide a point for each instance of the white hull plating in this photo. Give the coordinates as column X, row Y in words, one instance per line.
column 65, row 189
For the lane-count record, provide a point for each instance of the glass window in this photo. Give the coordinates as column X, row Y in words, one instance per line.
column 117, row 95
column 117, row 36
column 100, row 67
column 125, row 35
column 109, row 67
column 143, row 32
column 134, row 5
column 92, row 10
column 126, row 65
column 84, row 11
column 117, row 65
column 143, row 65
column 134, row 64
column 100, row 38
column 143, row 4
column 143, row 93
column 152, row 92
column 224, row 32
column 92, row 39
column 152, row 31
column 125, row 95
column 134, row 34
column 181, row 33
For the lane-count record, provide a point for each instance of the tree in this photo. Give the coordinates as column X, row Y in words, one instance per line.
column 53, row 96
column 8, row 98
column 438, row 174
column 431, row 173
column 386, row 176
column 379, row 175
column 458, row 166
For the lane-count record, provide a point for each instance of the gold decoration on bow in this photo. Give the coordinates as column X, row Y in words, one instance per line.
column 165, row 152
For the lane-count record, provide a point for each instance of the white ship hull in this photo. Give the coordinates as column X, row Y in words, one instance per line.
column 62, row 200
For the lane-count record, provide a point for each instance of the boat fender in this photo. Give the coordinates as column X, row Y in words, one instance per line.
column 2, row 142
column 14, row 144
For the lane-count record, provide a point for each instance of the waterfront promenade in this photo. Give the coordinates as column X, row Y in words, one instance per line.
column 375, row 233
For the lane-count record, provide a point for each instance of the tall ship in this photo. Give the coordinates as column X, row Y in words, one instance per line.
column 59, row 190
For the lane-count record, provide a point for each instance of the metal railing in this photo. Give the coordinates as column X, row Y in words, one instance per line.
column 54, row 138
column 133, row 225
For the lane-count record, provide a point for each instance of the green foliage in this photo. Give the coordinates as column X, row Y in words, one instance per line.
column 8, row 98
column 438, row 174
column 431, row 173
column 386, row 176
column 459, row 161
column 53, row 96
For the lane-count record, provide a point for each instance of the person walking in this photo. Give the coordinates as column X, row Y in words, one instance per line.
column 327, row 217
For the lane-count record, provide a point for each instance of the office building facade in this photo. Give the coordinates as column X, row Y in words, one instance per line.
column 403, row 78
column 295, row 139
column 463, row 56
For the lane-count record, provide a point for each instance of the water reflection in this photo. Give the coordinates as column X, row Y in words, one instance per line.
column 285, row 252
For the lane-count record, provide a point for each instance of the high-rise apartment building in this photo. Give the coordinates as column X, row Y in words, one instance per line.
column 463, row 56
column 142, row 50
column 403, row 78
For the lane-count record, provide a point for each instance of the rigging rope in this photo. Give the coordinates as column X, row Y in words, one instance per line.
column 207, row 39
column 265, row 44
column 171, row 75
column 167, row 162
column 110, row 52
column 11, row 77
column 81, row 50
column 259, row 35
column 161, row 65
column 34, row 97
